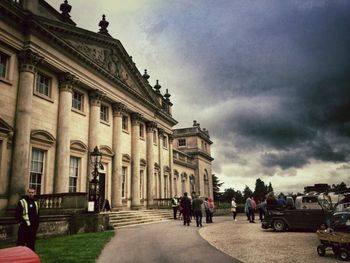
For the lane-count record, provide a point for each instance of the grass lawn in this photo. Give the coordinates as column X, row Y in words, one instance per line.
column 82, row 248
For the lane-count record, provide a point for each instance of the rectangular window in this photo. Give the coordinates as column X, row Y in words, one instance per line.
column 165, row 142
column 3, row 64
column 155, row 137
column 124, row 170
column 142, row 131
column 36, row 170
column 181, row 142
column 125, row 122
column 141, row 184
column 104, row 113
column 43, row 84
column 73, row 173
column 77, row 100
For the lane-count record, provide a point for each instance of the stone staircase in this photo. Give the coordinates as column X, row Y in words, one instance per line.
column 136, row 217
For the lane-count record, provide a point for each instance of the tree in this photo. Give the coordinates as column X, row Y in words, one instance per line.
column 228, row 194
column 247, row 192
column 269, row 188
column 216, row 187
column 260, row 190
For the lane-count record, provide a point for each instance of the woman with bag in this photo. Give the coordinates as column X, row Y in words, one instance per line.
column 233, row 208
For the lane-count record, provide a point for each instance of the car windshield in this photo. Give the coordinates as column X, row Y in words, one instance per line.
column 325, row 204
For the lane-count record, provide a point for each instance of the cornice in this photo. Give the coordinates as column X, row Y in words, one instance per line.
column 201, row 153
column 192, row 166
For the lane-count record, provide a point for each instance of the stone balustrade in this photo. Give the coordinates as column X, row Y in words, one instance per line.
column 63, row 203
column 162, row 203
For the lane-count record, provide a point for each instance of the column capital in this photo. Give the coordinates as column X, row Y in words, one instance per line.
column 66, row 81
column 171, row 138
column 161, row 133
column 96, row 97
column 151, row 125
column 28, row 60
column 136, row 118
column 118, row 109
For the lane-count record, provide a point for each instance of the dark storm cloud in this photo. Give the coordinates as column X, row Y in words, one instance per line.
column 291, row 57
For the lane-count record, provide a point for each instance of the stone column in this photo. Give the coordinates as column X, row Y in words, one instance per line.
column 135, row 161
column 66, row 82
column 116, row 201
column 160, row 156
column 150, row 163
column 172, row 189
column 20, row 162
column 94, row 127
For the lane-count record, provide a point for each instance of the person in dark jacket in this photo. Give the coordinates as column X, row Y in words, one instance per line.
column 185, row 204
column 197, row 209
column 27, row 216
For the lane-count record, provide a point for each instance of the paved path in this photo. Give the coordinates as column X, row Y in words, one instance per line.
column 166, row 242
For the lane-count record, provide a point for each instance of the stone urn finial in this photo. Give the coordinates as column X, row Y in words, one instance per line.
column 65, row 8
column 103, row 26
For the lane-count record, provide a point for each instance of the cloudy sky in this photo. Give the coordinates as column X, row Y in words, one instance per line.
column 269, row 79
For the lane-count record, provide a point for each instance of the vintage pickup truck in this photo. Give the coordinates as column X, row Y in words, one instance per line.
column 308, row 213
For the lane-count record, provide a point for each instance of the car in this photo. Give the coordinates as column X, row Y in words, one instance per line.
column 298, row 217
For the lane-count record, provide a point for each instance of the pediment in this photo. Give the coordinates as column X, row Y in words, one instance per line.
column 78, row 146
column 106, row 150
column 111, row 59
column 42, row 136
column 4, row 127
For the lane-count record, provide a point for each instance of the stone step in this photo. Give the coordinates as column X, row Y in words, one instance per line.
column 136, row 217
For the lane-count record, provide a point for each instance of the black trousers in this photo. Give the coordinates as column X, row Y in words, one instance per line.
column 27, row 236
column 175, row 211
column 198, row 215
column 186, row 217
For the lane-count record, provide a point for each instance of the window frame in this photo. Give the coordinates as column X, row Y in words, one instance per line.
column 76, row 176
column 37, row 87
column 125, row 122
column 35, row 185
column 74, row 100
column 182, row 140
column 104, row 116
column 165, row 142
column 142, row 131
column 7, row 58
column 123, row 181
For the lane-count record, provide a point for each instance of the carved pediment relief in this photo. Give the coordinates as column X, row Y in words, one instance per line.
column 106, row 150
column 108, row 59
column 78, row 146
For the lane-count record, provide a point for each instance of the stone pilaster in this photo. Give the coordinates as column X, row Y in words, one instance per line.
column 94, row 127
column 150, row 161
column 172, row 189
column 135, row 161
column 66, row 83
column 20, row 161
column 116, row 201
column 160, row 156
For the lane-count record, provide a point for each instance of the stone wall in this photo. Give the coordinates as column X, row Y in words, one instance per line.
column 56, row 225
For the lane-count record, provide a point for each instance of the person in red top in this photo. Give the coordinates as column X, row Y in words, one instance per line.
column 211, row 209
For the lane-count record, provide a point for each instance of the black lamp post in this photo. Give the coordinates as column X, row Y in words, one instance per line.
column 94, row 187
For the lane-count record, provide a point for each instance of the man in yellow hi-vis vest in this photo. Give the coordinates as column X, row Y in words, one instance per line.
column 27, row 216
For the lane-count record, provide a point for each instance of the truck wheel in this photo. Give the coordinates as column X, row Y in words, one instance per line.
column 321, row 250
column 279, row 225
column 344, row 254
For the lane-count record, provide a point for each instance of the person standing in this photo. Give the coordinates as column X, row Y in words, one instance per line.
column 211, row 209
column 174, row 204
column 234, row 208
column 250, row 209
column 197, row 210
column 27, row 216
column 206, row 208
column 186, row 208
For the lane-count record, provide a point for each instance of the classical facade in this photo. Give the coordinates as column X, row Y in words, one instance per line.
column 65, row 90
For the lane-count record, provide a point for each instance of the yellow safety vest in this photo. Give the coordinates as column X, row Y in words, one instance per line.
column 25, row 210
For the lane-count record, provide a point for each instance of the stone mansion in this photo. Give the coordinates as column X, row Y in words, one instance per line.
column 65, row 90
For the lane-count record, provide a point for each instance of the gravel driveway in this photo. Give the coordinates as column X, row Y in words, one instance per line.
column 250, row 243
